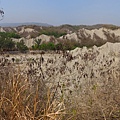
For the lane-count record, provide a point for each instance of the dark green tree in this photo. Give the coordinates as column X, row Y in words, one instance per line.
column 37, row 44
column 43, row 46
column 59, row 46
column 21, row 46
column 50, row 46
column 6, row 44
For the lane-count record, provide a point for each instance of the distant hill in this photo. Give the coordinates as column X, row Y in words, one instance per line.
column 89, row 27
column 26, row 23
column 83, row 35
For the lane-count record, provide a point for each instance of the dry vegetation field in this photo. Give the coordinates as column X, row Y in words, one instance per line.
column 77, row 85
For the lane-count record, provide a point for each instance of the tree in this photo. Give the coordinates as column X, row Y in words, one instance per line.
column 2, row 14
column 50, row 46
column 37, row 44
column 21, row 46
column 9, row 35
column 38, row 41
column 59, row 46
column 43, row 46
column 6, row 44
column 9, row 44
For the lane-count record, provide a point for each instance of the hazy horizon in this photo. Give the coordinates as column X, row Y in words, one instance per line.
column 58, row 12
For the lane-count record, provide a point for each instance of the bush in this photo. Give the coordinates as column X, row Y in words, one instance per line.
column 59, row 46
column 21, row 46
column 6, row 44
column 21, row 100
column 62, row 45
column 37, row 44
column 9, row 35
column 56, row 34
column 44, row 46
column 67, row 44
column 50, row 46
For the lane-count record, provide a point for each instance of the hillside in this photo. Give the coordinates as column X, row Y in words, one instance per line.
column 86, row 80
column 20, row 24
column 82, row 34
column 78, row 83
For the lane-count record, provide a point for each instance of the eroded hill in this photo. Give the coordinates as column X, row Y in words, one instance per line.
column 84, row 35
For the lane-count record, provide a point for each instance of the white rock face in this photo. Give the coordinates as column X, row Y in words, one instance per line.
column 83, row 36
column 2, row 30
column 31, row 41
column 15, row 29
column 93, row 34
column 28, row 42
column 74, row 70
column 27, row 30
column 72, row 36
column 44, row 38
column 98, row 32
column 87, row 64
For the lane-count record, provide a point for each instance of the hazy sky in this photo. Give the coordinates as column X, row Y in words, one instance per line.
column 57, row 12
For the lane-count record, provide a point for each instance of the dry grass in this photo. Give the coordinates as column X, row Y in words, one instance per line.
column 20, row 100
column 100, row 100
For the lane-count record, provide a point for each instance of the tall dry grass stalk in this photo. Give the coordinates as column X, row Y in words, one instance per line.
column 20, row 100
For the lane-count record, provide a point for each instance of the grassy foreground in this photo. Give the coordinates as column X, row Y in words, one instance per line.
column 21, row 99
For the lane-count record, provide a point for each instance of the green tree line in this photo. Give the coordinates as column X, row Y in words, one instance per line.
column 56, row 34
column 61, row 45
column 7, row 44
column 9, row 35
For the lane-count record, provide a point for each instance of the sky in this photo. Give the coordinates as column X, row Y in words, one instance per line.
column 58, row 12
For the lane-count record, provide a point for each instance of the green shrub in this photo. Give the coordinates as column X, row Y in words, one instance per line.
column 21, row 46
column 6, row 44
column 56, row 34
column 37, row 44
column 9, row 35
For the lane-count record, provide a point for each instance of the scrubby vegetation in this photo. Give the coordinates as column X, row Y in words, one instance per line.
column 20, row 99
column 7, row 44
column 9, row 35
column 29, row 98
column 36, row 88
column 54, row 33
column 60, row 45
column 96, row 102
column 21, row 46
